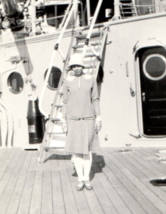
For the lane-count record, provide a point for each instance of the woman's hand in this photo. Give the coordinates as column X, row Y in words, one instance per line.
column 98, row 126
column 64, row 127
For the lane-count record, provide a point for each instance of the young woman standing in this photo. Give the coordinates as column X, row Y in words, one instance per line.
column 82, row 121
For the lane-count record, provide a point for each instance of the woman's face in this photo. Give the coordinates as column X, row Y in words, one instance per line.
column 77, row 69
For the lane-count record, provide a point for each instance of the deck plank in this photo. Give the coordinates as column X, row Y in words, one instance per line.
column 150, row 192
column 115, row 198
column 70, row 203
column 103, row 197
column 125, row 195
column 9, row 157
column 3, row 156
column 17, row 193
column 7, row 193
column 142, row 160
column 134, row 165
column 57, row 194
column 79, row 196
column 25, row 201
column 120, row 180
column 5, row 177
column 137, row 169
column 47, row 193
column 156, row 201
column 154, row 160
column 158, row 191
column 131, row 185
column 36, row 198
column 134, row 158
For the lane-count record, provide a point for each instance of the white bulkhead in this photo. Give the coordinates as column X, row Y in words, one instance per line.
column 124, row 120
column 120, row 93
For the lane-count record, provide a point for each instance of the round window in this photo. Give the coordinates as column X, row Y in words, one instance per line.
column 15, row 82
column 154, row 67
column 54, row 78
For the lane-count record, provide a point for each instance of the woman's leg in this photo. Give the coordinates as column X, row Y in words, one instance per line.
column 78, row 162
column 87, row 163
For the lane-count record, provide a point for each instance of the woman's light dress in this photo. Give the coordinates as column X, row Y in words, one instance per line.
column 81, row 107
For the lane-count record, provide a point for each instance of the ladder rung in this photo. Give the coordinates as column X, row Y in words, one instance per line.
column 81, row 46
column 128, row 12
column 127, row 4
column 90, row 55
column 95, row 26
column 55, row 133
column 58, row 106
column 57, row 150
column 85, row 35
column 56, row 120
column 126, row 1
column 126, row 8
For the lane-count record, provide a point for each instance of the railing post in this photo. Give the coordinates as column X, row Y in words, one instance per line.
column 33, row 16
column 116, row 10
column 91, row 26
column 88, row 11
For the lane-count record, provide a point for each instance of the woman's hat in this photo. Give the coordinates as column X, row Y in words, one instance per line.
column 76, row 59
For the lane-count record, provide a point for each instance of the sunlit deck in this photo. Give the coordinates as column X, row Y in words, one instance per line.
column 120, row 181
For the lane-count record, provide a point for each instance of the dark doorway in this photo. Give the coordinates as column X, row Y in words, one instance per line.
column 153, row 90
column 105, row 5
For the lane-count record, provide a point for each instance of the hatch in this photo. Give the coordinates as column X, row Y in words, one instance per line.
column 151, row 85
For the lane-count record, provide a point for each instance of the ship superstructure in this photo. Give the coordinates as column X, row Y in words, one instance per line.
column 123, row 44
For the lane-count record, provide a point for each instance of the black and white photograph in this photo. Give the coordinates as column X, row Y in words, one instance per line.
column 82, row 106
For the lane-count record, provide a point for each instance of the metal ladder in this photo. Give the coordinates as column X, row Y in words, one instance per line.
column 92, row 47
column 54, row 134
column 127, row 8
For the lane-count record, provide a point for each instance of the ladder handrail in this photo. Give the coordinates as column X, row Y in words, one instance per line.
column 41, row 155
column 65, row 25
column 65, row 16
column 104, row 37
column 93, row 20
column 92, row 26
column 55, row 51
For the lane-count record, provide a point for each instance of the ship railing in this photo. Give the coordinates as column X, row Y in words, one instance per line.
column 55, row 51
column 150, row 8
column 156, row 7
column 66, row 14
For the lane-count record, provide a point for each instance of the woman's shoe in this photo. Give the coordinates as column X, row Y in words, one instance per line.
column 80, row 186
column 88, row 185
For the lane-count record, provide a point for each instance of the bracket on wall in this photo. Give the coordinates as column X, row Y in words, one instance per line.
column 136, row 135
column 17, row 59
column 132, row 92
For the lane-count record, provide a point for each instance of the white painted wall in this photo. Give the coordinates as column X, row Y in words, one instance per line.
column 118, row 107
column 38, row 54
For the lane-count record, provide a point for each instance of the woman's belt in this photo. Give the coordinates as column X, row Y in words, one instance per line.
column 80, row 118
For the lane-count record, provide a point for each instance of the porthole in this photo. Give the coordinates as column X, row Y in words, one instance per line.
column 54, row 78
column 15, row 82
column 154, row 67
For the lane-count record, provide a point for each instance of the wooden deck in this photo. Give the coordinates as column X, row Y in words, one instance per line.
column 120, row 181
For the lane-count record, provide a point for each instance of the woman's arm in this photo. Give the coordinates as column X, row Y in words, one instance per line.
column 65, row 98
column 95, row 98
column 64, row 110
column 95, row 101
